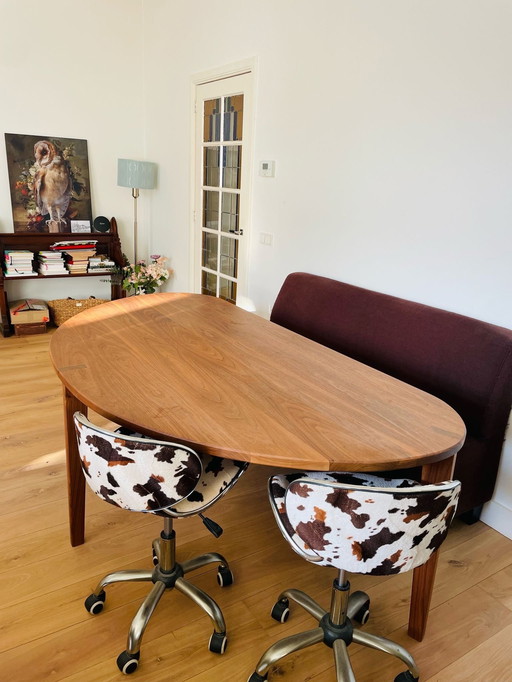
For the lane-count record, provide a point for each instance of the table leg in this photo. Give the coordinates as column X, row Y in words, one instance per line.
column 424, row 576
column 76, row 481
column 5, row 326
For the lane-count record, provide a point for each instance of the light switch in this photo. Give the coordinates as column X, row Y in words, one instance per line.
column 268, row 169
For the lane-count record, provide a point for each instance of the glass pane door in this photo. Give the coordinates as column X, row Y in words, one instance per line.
column 221, row 151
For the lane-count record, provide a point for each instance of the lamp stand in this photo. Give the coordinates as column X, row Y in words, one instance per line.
column 135, row 195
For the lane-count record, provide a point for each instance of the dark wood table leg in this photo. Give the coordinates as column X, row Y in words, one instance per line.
column 76, row 481
column 5, row 326
column 424, row 576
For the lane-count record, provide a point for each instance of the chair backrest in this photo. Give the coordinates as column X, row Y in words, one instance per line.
column 135, row 473
column 366, row 528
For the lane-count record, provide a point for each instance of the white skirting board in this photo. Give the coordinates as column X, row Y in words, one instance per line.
column 499, row 517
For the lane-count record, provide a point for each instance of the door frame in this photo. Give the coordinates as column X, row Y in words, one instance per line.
column 243, row 67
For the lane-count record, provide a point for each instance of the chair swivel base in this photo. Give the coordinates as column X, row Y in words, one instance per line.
column 167, row 575
column 336, row 630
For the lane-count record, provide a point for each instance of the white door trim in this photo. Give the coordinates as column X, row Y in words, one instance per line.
column 246, row 66
column 235, row 69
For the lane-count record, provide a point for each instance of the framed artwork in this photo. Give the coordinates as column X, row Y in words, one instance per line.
column 49, row 181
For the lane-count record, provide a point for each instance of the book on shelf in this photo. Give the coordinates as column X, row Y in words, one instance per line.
column 18, row 253
column 101, row 264
column 22, row 268
column 54, row 273
column 18, row 263
column 49, row 256
column 20, row 258
column 19, row 267
column 51, row 267
column 51, row 264
column 20, row 274
column 77, row 269
column 79, row 255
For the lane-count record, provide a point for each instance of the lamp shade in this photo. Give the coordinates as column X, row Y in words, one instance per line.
column 136, row 174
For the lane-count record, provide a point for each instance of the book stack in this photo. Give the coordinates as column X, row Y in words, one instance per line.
column 18, row 263
column 99, row 264
column 51, row 263
column 77, row 260
column 76, row 254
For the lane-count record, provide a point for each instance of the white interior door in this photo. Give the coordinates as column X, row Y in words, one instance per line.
column 222, row 186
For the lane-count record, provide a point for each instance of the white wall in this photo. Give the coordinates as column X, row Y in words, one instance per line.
column 74, row 70
column 390, row 126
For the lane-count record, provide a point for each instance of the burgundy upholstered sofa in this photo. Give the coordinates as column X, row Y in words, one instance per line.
column 463, row 361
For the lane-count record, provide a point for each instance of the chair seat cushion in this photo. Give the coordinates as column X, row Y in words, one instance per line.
column 218, row 475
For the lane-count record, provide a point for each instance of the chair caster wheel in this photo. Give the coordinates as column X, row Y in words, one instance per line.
column 128, row 663
column 256, row 678
column 224, row 576
column 218, row 642
column 406, row 676
column 363, row 612
column 280, row 611
column 94, row 603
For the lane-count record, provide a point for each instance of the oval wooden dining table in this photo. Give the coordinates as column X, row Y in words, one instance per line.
column 198, row 370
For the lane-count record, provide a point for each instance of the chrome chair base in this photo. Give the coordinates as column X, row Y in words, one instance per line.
column 167, row 575
column 335, row 629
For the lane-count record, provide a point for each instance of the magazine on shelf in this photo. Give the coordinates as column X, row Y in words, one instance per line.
column 64, row 246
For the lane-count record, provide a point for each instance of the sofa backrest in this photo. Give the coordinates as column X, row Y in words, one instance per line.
column 463, row 361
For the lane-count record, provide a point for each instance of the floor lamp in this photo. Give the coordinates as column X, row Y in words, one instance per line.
column 137, row 175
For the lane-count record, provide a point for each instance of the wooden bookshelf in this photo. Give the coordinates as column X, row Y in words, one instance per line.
column 108, row 244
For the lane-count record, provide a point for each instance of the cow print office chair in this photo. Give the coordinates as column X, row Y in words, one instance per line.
column 361, row 524
column 168, row 479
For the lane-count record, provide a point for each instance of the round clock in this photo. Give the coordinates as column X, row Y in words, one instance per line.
column 101, row 224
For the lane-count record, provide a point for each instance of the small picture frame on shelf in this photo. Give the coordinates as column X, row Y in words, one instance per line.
column 80, row 226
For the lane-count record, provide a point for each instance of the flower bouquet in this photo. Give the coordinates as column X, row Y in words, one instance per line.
column 145, row 278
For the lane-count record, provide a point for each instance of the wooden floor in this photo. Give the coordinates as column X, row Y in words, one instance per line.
column 46, row 634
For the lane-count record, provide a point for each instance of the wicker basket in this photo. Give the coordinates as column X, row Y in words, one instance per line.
column 61, row 309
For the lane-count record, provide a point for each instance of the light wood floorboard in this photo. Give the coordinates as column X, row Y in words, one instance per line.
column 46, row 634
